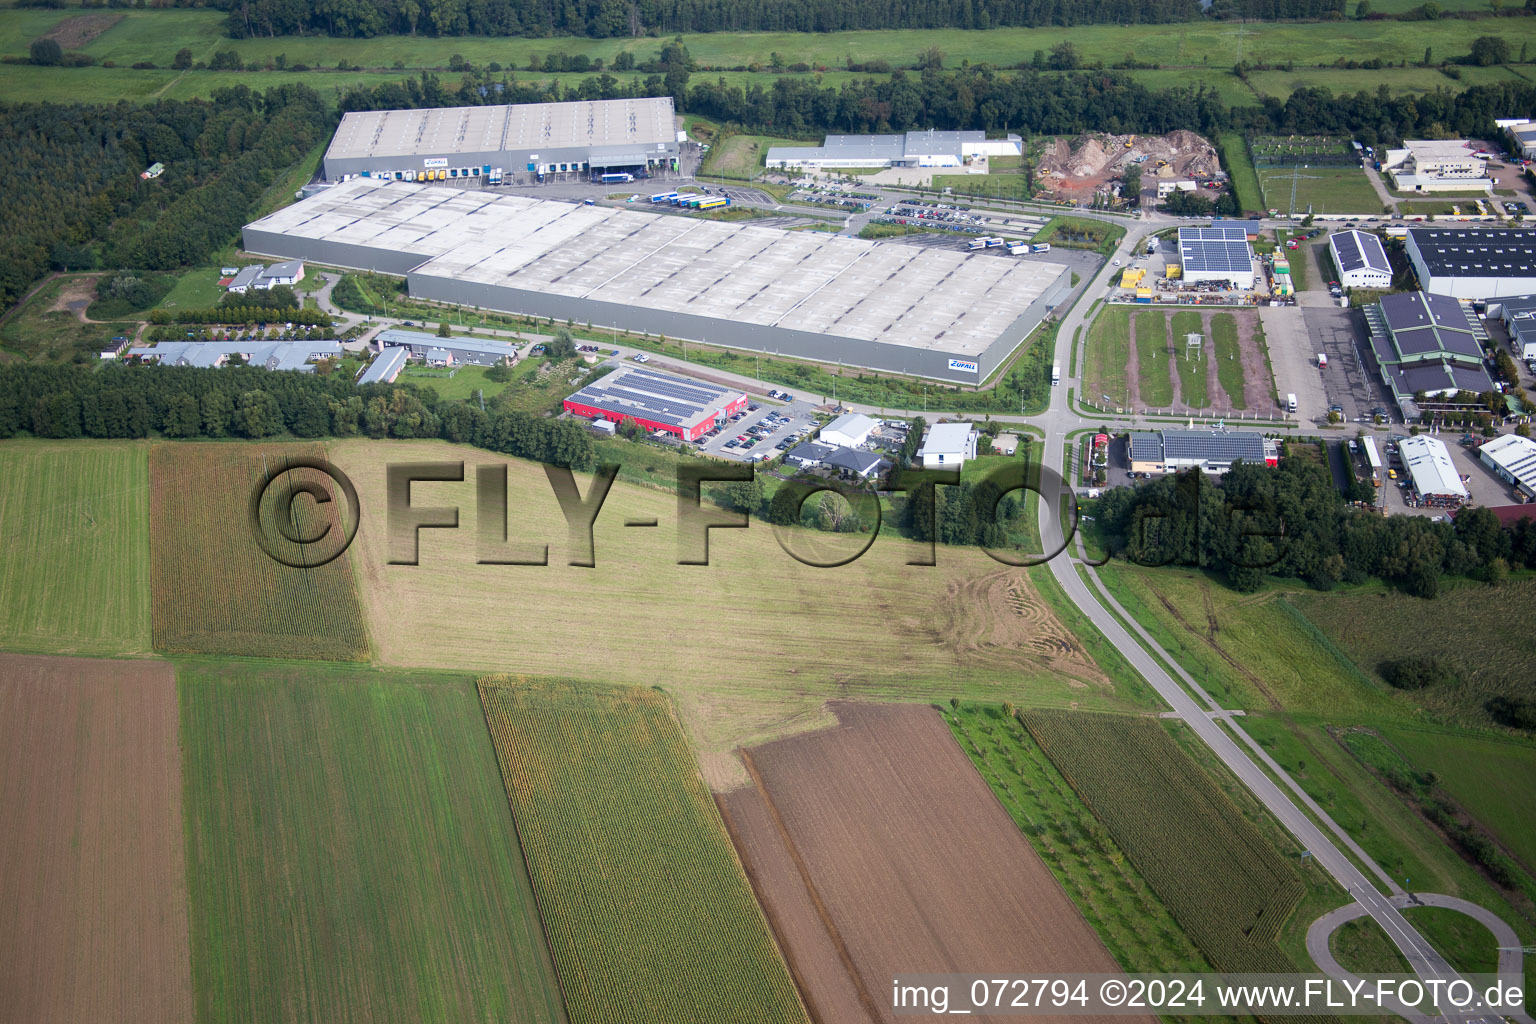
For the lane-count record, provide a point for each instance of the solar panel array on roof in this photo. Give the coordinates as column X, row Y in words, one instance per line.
column 1212, row 445
column 652, row 395
column 1358, row 250
column 1215, row 250
column 1423, row 322
column 1146, row 447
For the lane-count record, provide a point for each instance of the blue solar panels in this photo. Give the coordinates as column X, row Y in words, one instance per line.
column 1357, row 250
column 1215, row 251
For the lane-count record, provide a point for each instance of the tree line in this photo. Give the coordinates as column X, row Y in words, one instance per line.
column 74, row 199
column 122, row 401
column 618, row 18
column 1290, row 522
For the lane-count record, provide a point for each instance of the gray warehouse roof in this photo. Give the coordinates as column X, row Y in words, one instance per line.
column 422, row 340
column 386, row 366
column 382, row 133
column 932, row 300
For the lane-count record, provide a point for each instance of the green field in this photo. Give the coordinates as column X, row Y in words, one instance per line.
column 1320, row 189
column 648, row 911
column 1468, row 945
column 742, row 156
column 1081, row 233
column 1361, row 947
column 1345, row 81
column 465, row 382
column 1376, row 625
column 1224, row 882
column 1105, row 358
column 1229, row 368
column 1192, row 366
column 1245, row 183
column 215, row 591
column 350, row 852
column 998, row 186
column 1091, row 867
column 1492, row 777
column 74, row 548
column 1153, row 375
column 196, row 289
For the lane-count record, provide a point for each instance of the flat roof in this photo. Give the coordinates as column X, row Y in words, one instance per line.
column 1430, row 466
column 648, row 394
column 951, row 302
column 947, row 437
column 420, row 339
column 520, row 126
column 1440, row 149
column 1215, row 250
column 388, row 363
column 1474, row 252
column 1358, row 250
column 1515, row 455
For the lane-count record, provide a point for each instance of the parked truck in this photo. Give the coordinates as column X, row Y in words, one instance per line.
column 1290, row 403
column 976, row 243
column 1040, row 247
column 1055, row 374
column 1322, row 360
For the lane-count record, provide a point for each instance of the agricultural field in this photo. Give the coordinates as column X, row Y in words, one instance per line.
column 1227, row 351
column 351, row 854
column 743, row 643
column 1375, row 625
column 1347, row 81
column 74, row 548
column 1085, row 859
column 1227, row 886
column 1319, row 190
column 648, row 912
column 820, row 832
column 92, row 870
column 215, row 590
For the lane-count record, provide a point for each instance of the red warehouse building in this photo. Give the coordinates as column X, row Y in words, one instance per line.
column 657, row 401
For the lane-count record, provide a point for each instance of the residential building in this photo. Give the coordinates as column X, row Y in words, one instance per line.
column 807, row 454
column 1450, row 165
column 1474, row 263
column 849, row 430
column 1513, row 458
column 856, row 462
column 1361, row 260
column 261, row 278
column 273, row 355
column 1431, row 470
column 947, row 446
column 657, row 401
column 386, row 368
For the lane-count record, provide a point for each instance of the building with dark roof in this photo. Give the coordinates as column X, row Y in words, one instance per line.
column 1216, row 254
column 1519, row 315
column 1474, row 263
column 682, row 406
column 1429, row 344
column 446, row 351
column 1210, row 451
column 1361, row 260
column 928, row 148
column 852, row 460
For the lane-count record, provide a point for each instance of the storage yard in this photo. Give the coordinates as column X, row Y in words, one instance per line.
column 1074, row 169
column 945, row 315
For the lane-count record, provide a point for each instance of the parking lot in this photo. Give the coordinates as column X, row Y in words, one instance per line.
column 1351, row 379
column 758, row 432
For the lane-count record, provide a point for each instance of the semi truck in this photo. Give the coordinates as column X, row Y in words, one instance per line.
column 1055, row 374
column 616, row 178
column 1018, row 249
column 663, row 197
column 996, row 243
column 1040, row 247
column 976, row 243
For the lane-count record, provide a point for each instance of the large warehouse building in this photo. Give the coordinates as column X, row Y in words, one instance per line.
column 657, row 401
column 914, row 149
column 1216, row 254
column 637, row 136
column 1429, row 344
column 1473, row 263
column 1360, row 259
column 1513, row 458
column 928, row 312
column 1431, row 470
column 1210, row 451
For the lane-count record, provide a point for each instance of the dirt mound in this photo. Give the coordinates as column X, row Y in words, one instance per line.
column 1092, row 160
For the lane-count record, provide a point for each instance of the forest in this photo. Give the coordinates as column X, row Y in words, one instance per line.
column 614, row 18
column 1290, row 522
column 74, row 198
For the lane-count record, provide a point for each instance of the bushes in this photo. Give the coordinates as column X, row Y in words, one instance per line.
column 1417, row 673
column 1515, row 712
column 128, row 291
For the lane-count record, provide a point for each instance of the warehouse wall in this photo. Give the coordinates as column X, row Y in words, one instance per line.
column 509, row 160
column 336, row 254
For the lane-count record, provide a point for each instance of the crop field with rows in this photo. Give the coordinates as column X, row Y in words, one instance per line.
column 648, row 912
column 215, row 591
column 1224, row 882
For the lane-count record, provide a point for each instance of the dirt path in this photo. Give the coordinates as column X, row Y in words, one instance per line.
column 1132, row 370
column 1174, row 381
column 1258, row 385
column 92, row 855
column 76, row 297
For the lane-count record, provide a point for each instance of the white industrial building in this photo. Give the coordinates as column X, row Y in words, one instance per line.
column 1361, row 260
column 637, row 136
column 914, row 149
column 1474, row 263
column 1430, row 468
column 948, row 446
column 1168, row 187
column 1519, row 315
column 849, row 430
column 1522, row 136
column 1216, row 254
column 1449, row 165
column 934, row 313
column 1513, row 458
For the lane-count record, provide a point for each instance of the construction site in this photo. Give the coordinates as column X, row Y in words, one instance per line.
column 1080, row 169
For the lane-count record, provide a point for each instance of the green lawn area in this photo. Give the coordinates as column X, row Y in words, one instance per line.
column 1105, row 359
column 350, row 851
column 1467, row 944
column 1000, row 186
column 1229, row 368
column 1493, row 777
column 1245, row 183
column 1081, row 233
column 196, row 289
column 74, row 547
column 466, row 380
column 1361, row 947
column 742, row 156
column 1153, row 375
column 1323, row 189
column 1192, row 365
column 1345, row 81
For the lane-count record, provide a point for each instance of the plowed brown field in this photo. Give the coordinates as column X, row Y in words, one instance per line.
column 876, row 849
column 92, row 879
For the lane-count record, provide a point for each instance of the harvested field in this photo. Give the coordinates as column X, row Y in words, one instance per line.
column 215, row 590
column 74, row 547
column 648, row 913
column 92, row 869
column 749, row 632
column 351, row 856
column 876, row 848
